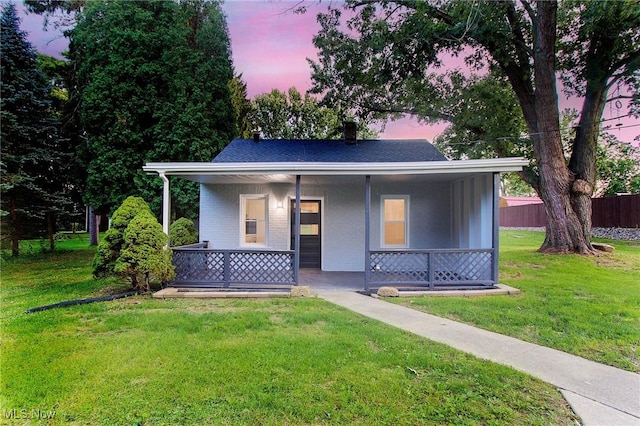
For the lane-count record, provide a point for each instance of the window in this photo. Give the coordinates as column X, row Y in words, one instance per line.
column 395, row 219
column 253, row 211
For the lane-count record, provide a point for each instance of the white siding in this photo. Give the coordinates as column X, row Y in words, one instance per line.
column 429, row 214
column 344, row 228
column 472, row 211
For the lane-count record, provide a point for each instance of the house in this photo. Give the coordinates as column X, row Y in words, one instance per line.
column 396, row 210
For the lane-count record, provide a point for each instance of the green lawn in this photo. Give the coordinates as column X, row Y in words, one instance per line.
column 587, row 306
column 278, row 361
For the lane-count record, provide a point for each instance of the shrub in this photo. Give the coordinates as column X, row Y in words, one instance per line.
column 182, row 232
column 143, row 257
column 110, row 246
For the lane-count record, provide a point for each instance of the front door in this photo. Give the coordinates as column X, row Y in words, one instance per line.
column 310, row 226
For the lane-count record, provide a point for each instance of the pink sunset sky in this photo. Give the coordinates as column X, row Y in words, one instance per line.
column 270, row 47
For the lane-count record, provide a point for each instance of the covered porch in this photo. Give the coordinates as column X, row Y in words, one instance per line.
column 465, row 258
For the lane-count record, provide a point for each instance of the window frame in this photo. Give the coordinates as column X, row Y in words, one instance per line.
column 406, row 198
column 243, row 220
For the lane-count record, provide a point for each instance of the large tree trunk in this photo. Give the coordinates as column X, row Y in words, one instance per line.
column 583, row 156
column 564, row 232
column 94, row 232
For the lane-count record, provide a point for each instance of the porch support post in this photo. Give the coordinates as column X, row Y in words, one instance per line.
column 296, row 230
column 367, row 233
column 496, row 227
column 166, row 203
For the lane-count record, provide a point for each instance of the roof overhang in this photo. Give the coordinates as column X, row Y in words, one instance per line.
column 286, row 172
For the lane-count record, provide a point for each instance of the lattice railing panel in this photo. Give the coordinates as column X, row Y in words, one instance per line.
column 261, row 267
column 195, row 266
column 431, row 267
column 462, row 266
column 399, row 267
column 199, row 265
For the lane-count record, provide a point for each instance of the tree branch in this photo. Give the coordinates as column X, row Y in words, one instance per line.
column 522, row 50
column 438, row 115
column 615, row 98
column 530, row 11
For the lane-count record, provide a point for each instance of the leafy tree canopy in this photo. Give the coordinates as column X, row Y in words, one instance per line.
column 293, row 116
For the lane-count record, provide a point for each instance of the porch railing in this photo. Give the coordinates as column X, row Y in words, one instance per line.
column 431, row 268
column 197, row 266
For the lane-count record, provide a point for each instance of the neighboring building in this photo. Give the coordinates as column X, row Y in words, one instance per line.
column 518, row 201
column 396, row 210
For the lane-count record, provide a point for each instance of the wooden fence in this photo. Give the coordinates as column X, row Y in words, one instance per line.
column 622, row 211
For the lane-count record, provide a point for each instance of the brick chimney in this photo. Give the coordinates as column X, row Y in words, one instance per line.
column 350, row 133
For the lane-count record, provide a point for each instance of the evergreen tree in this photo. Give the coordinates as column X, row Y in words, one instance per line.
column 31, row 190
column 182, row 232
column 241, row 106
column 153, row 86
column 109, row 248
column 144, row 257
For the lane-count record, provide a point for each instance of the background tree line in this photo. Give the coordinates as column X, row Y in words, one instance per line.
column 141, row 81
column 154, row 81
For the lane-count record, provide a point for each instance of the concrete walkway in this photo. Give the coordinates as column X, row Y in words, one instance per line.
column 599, row 394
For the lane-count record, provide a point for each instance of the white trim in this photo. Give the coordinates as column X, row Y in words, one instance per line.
column 284, row 171
column 242, row 223
column 407, row 215
column 166, row 204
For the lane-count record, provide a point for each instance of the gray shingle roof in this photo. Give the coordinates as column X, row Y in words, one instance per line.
column 329, row 151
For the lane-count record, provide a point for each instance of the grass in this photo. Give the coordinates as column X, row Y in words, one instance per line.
column 587, row 306
column 278, row 361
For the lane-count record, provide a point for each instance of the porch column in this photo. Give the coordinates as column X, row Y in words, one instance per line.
column 496, row 227
column 296, row 230
column 166, row 203
column 367, row 233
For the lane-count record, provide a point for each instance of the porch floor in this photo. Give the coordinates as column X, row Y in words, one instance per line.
column 325, row 280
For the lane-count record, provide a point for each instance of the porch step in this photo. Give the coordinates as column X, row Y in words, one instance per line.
column 174, row 292
column 498, row 289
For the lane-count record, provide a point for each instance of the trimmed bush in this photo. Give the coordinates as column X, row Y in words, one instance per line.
column 182, row 232
column 110, row 246
column 143, row 257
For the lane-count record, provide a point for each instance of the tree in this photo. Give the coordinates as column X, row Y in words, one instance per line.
column 241, row 106
column 386, row 63
column 182, row 232
column 152, row 83
column 144, row 256
column 31, row 192
column 291, row 116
